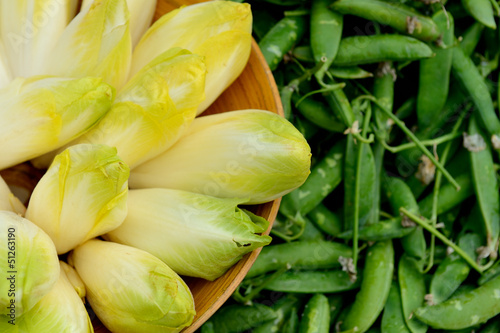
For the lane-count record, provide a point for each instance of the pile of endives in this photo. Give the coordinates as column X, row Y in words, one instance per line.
column 138, row 190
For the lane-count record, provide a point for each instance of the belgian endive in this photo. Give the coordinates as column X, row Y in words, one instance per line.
column 154, row 108
column 8, row 201
column 194, row 234
column 82, row 195
column 6, row 75
column 29, row 265
column 250, row 154
column 220, row 31
column 141, row 15
column 130, row 290
column 97, row 42
column 30, row 30
column 40, row 114
column 61, row 310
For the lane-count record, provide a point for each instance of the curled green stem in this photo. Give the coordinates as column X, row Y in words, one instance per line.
column 424, row 223
column 413, row 138
column 409, row 145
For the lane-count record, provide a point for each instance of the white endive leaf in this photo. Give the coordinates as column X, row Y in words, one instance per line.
column 155, row 107
column 194, row 234
column 81, row 196
column 97, row 42
column 220, row 31
column 30, row 29
column 40, row 114
column 130, row 290
column 5, row 69
column 60, row 310
column 250, row 154
column 29, row 265
column 8, row 201
column 75, row 280
column 141, row 15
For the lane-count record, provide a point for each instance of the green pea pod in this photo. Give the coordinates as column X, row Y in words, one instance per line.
column 482, row 11
column 300, row 254
column 358, row 50
column 453, row 270
column 399, row 16
column 281, row 38
column 400, row 196
column 326, row 31
column 283, row 308
column 332, row 281
column 238, row 318
column 336, row 301
column 393, row 320
column 316, row 316
column 408, row 160
column 374, row 290
column 383, row 90
column 362, row 155
column 325, row 176
column 471, row 37
column 311, row 232
column 486, row 188
column 472, row 307
column 449, row 197
column 491, row 273
column 338, row 102
column 468, row 75
column 286, row 94
column 326, row 220
column 303, row 53
column 412, row 286
column 434, row 78
column 353, row 72
column 319, row 114
column 380, row 231
column 292, row 323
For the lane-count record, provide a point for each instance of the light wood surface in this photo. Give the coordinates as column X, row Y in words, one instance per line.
column 254, row 89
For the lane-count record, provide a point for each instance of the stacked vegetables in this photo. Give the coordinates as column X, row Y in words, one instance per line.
column 397, row 227
column 92, row 101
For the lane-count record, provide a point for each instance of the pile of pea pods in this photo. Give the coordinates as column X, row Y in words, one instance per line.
column 397, row 228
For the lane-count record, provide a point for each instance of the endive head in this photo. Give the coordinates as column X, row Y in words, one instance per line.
column 220, row 31
column 154, row 108
column 141, row 14
column 8, row 201
column 97, row 42
column 40, row 114
column 60, row 310
column 29, row 265
column 82, row 195
column 194, row 234
column 30, row 29
column 250, row 154
column 130, row 290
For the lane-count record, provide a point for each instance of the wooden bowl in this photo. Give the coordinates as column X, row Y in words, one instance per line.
column 254, row 89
